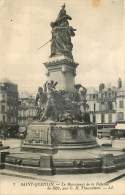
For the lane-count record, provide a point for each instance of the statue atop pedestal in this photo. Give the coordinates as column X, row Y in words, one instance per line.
column 60, row 100
column 61, row 35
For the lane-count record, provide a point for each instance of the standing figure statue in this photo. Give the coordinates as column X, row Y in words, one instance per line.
column 40, row 102
column 61, row 35
column 50, row 108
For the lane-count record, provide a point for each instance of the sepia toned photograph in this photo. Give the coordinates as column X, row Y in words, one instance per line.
column 62, row 97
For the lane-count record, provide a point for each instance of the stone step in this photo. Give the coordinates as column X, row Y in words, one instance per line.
column 28, row 169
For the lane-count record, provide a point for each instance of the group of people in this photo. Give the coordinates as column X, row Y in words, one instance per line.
column 4, row 134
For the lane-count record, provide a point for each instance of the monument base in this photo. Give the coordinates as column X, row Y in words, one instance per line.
column 49, row 137
column 66, row 162
column 60, row 148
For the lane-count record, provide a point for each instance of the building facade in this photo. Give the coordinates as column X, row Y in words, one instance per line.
column 92, row 97
column 106, row 105
column 26, row 109
column 8, row 105
column 120, row 101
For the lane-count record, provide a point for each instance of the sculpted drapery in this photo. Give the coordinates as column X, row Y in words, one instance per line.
column 61, row 35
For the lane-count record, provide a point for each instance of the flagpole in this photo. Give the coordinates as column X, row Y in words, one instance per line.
column 44, row 44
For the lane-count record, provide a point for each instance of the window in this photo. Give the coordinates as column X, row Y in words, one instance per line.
column 110, row 118
column 102, row 95
column 3, row 108
column 120, row 116
column 94, row 106
column 3, row 118
column 8, row 118
column 102, row 118
column 110, row 105
column 107, row 106
column 24, row 113
column 93, row 96
column 102, row 106
column 121, row 104
column 14, row 119
column 11, row 119
column 3, row 97
column 19, row 103
column 30, row 112
column 8, row 97
column 94, row 118
column 109, row 95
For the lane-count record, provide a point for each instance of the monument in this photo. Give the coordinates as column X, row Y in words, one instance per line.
column 61, row 66
column 61, row 138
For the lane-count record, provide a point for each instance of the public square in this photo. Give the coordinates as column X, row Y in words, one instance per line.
column 16, row 143
column 24, row 181
column 62, row 98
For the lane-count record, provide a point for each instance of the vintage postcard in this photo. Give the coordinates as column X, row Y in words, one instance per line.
column 62, row 97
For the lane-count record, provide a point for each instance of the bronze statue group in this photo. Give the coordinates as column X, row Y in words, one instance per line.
column 63, row 106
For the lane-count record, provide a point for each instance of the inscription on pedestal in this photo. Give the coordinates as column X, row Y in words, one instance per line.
column 37, row 135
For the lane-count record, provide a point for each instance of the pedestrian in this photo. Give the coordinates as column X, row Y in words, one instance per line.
column 21, row 139
column 112, row 138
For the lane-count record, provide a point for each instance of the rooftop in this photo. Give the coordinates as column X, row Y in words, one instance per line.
column 109, row 87
column 122, row 88
column 91, row 90
column 26, row 95
column 6, row 80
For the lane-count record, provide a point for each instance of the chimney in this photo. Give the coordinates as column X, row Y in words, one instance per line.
column 119, row 83
column 101, row 87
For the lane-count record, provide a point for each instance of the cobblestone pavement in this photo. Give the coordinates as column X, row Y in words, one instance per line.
column 117, row 143
column 16, row 143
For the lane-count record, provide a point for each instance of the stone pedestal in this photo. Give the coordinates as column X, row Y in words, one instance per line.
column 2, row 158
column 50, row 137
column 61, row 69
column 108, row 164
column 40, row 138
column 45, row 161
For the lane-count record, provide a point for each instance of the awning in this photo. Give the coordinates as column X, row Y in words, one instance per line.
column 120, row 127
column 106, row 130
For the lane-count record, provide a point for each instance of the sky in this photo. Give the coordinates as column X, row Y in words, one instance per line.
column 98, row 46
